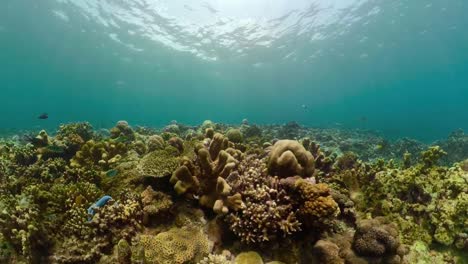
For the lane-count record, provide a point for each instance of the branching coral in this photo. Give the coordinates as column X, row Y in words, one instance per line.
column 22, row 226
column 208, row 178
column 268, row 211
column 101, row 153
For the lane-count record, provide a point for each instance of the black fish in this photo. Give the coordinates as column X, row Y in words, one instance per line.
column 44, row 116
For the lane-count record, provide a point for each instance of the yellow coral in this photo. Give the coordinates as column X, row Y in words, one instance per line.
column 317, row 203
column 289, row 158
column 178, row 245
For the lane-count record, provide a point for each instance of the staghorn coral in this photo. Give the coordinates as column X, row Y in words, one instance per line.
column 73, row 250
column 110, row 224
column 268, row 211
column 289, row 158
column 177, row 245
column 154, row 204
column 457, row 146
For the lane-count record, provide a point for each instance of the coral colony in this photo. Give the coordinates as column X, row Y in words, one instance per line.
column 221, row 194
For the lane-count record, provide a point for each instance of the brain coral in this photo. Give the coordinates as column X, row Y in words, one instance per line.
column 178, row 245
column 289, row 158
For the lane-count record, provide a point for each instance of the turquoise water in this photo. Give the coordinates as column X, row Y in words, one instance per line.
column 400, row 64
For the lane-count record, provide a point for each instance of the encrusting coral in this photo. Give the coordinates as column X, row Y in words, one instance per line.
column 177, row 245
column 375, row 241
column 154, row 204
column 317, row 206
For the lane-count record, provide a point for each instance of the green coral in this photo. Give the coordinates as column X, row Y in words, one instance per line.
column 250, row 257
column 177, row 245
column 100, row 153
column 434, row 197
column 159, row 163
column 234, row 135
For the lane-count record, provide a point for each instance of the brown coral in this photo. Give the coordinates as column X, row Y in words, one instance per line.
column 316, row 203
column 290, row 158
column 154, row 203
column 268, row 212
column 208, row 179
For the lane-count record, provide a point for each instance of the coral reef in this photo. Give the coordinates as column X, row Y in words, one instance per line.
column 193, row 194
column 433, row 199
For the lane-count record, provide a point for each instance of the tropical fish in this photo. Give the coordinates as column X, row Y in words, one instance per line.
column 112, row 173
column 43, row 116
column 100, row 203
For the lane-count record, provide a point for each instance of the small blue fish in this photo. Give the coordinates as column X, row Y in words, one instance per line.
column 100, row 203
column 112, row 173
column 43, row 116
